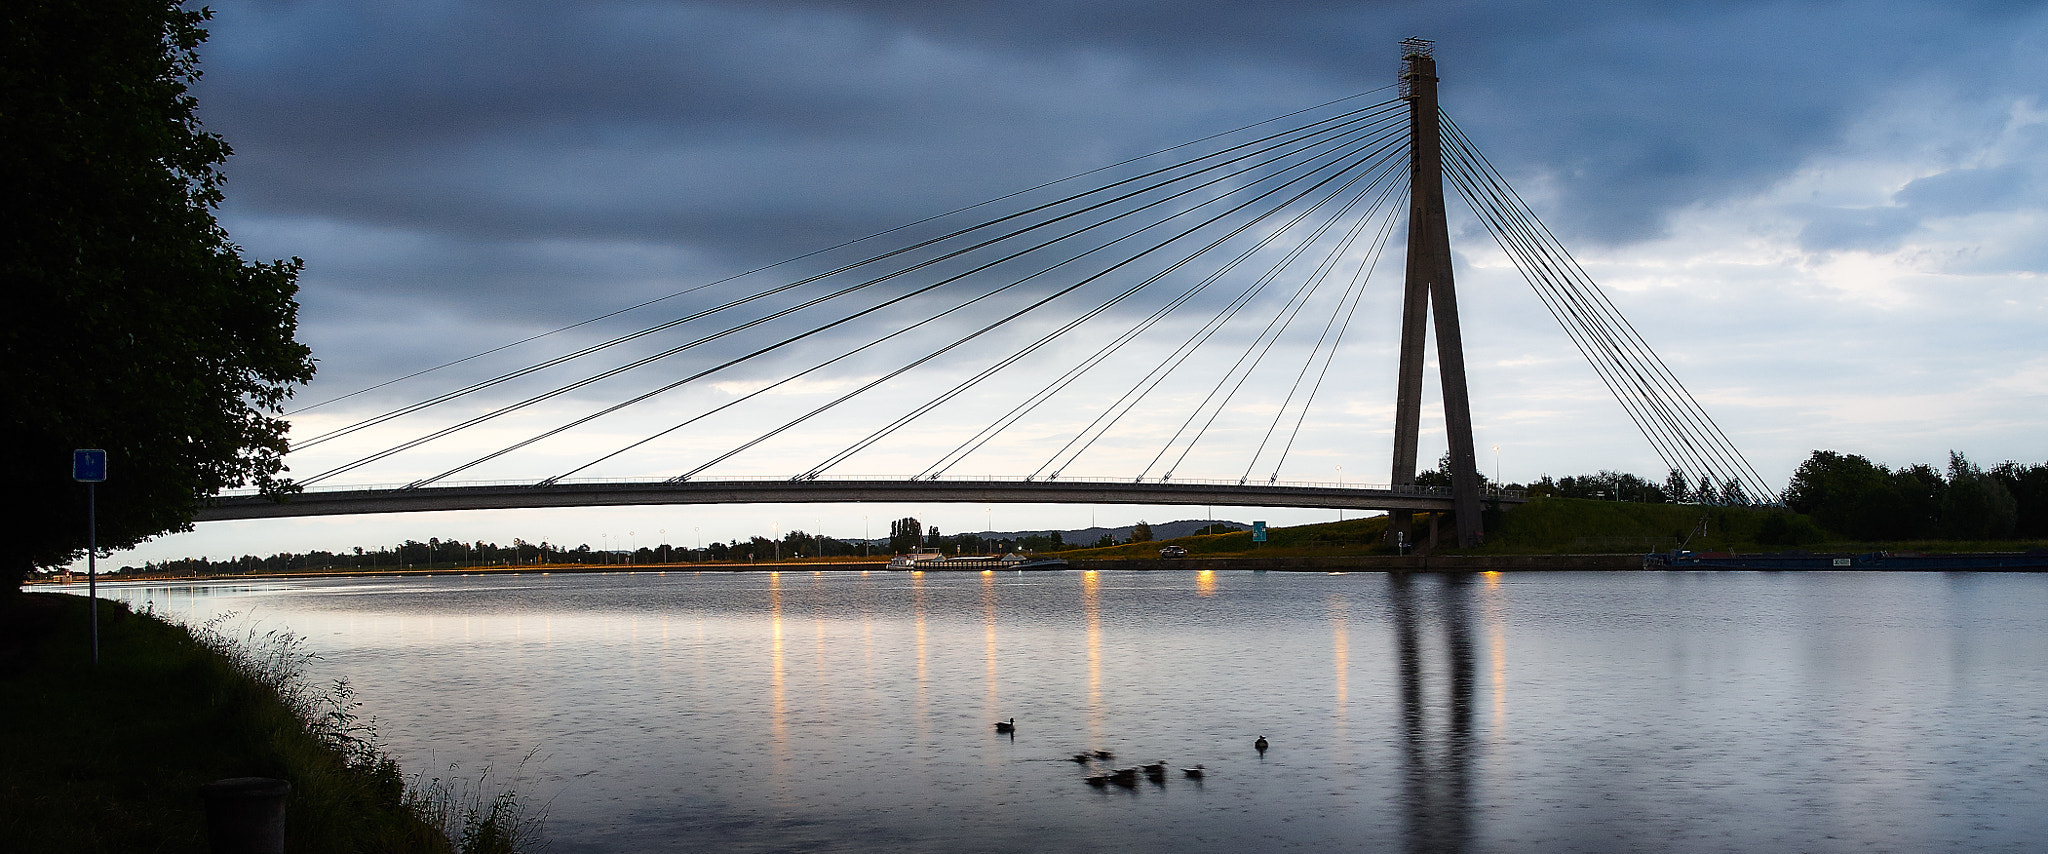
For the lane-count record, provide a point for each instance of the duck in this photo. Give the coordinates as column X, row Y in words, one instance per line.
column 1125, row 777
column 1195, row 772
column 1097, row 780
column 1260, row 745
column 1103, row 754
column 1083, row 758
column 1007, row 726
column 1155, row 770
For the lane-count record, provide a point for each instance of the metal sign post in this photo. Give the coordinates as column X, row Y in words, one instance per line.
column 89, row 466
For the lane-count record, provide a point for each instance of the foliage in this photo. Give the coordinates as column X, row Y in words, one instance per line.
column 1605, row 486
column 905, row 535
column 1142, row 532
column 471, row 816
column 137, row 326
column 163, row 713
column 1860, row 499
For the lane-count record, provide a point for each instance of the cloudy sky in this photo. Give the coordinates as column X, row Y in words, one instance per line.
column 1827, row 217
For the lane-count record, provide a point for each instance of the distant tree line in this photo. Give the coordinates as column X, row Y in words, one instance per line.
column 1850, row 495
column 438, row 553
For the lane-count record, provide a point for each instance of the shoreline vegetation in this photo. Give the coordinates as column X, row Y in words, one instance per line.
column 111, row 758
column 1834, row 503
column 1547, row 533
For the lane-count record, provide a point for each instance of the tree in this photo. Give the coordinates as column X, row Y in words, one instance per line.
column 137, row 327
column 905, row 535
column 2028, row 485
column 1976, row 506
column 1141, row 532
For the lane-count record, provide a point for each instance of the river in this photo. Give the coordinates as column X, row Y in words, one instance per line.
column 1520, row 712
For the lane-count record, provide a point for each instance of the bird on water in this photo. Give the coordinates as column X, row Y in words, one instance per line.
column 1260, row 745
column 1007, row 726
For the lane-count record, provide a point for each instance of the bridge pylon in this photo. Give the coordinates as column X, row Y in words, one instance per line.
column 1429, row 292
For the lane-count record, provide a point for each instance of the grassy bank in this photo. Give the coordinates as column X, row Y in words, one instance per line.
column 110, row 758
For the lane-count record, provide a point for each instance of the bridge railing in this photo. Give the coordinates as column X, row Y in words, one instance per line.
column 1490, row 491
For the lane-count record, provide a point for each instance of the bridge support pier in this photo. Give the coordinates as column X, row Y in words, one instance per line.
column 1429, row 292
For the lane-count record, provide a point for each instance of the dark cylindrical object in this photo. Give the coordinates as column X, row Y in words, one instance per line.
column 245, row 815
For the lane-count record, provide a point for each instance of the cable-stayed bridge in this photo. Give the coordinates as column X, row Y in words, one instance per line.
column 1157, row 331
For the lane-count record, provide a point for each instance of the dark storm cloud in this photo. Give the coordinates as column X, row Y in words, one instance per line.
column 559, row 159
column 777, row 124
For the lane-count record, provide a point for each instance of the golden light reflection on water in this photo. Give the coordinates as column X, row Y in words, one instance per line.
column 1340, row 657
column 1205, row 583
column 1491, row 603
column 993, row 701
column 1091, row 609
column 777, row 729
column 923, row 683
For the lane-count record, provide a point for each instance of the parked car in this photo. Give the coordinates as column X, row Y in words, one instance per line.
column 1173, row 551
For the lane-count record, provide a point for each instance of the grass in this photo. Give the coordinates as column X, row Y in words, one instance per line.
column 110, row 758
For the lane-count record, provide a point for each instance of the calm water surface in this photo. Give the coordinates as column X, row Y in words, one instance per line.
column 793, row 711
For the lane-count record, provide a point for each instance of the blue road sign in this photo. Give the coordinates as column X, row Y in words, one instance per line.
column 89, row 465
column 1258, row 532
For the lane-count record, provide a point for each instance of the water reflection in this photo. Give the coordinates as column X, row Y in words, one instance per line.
column 1340, row 656
column 1092, row 612
column 1436, row 757
column 778, row 729
column 923, row 658
column 1655, row 712
column 992, row 702
column 1493, row 602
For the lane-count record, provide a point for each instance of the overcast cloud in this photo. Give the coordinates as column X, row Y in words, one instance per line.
column 1829, row 217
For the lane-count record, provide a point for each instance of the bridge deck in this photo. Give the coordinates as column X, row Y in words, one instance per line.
column 622, row 493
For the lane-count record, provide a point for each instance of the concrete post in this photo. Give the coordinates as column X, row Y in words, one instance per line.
column 245, row 815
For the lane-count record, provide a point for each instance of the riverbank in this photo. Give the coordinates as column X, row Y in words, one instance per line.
column 111, row 757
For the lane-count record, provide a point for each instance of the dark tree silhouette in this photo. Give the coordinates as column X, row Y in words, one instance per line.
column 136, row 325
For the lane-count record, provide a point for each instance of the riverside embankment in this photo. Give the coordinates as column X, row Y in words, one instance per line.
column 111, row 757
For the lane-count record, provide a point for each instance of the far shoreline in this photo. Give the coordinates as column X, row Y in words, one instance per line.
column 1294, row 563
